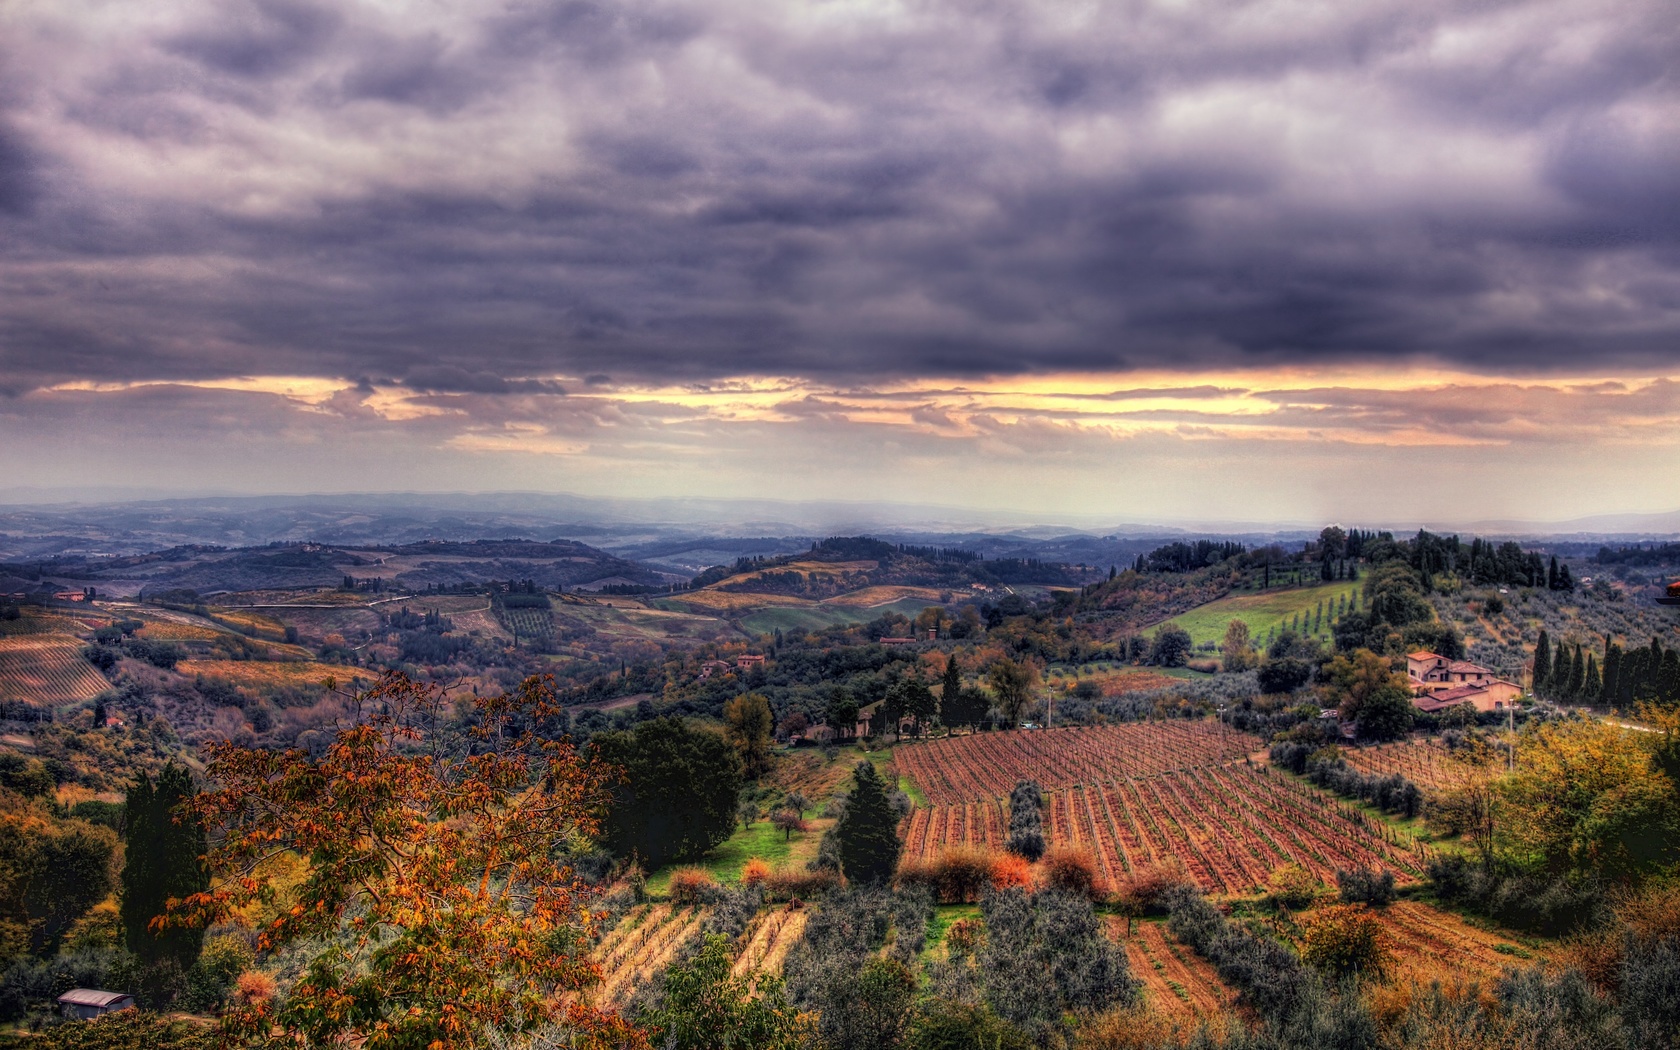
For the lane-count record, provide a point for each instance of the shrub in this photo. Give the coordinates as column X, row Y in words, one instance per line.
column 1346, row 939
column 1071, row 870
column 254, row 987
column 787, row 885
column 1010, row 871
column 688, row 884
column 956, row 876
column 1293, row 887
column 755, row 873
column 1364, row 886
column 944, row 1024
column 1147, row 885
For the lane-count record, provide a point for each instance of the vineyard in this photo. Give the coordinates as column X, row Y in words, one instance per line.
column 1139, row 795
column 640, row 946
column 767, row 941
column 1177, row 982
column 47, row 670
column 1426, row 763
column 987, row 765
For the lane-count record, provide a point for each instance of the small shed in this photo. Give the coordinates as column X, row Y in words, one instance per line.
column 84, row 1004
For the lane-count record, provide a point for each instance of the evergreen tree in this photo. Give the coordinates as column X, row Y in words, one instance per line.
column 1577, row 673
column 1591, row 686
column 1612, row 690
column 951, row 689
column 1542, row 665
column 1552, row 575
column 1558, row 686
column 164, row 853
column 868, row 831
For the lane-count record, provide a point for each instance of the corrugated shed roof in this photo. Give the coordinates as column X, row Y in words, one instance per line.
column 91, row 997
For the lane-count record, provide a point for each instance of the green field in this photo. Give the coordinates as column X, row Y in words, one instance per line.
column 763, row 841
column 815, row 617
column 1263, row 612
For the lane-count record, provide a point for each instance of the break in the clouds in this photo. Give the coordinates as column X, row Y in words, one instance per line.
column 570, row 227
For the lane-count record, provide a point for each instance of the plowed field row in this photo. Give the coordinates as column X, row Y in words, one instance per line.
column 1432, row 945
column 47, row 669
column 1178, row 982
column 987, row 765
column 1230, row 826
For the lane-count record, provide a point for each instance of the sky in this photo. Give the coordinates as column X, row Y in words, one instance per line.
column 1170, row 260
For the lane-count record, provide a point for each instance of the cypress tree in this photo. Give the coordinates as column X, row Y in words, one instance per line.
column 1612, row 689
column 1542, row 664
column 1577, row 675
column 1558, row 685
column 868, row 831
column 164, row 858
column 1552, row 575
column 1591, row 685
column 952, row 686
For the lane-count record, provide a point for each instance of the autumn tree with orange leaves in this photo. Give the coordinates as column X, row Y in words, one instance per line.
column 436, row 910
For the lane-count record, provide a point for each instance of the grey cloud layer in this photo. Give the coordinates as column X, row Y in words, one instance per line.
column 471, row 202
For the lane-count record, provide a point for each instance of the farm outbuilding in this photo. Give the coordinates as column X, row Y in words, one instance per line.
column 84, row 1004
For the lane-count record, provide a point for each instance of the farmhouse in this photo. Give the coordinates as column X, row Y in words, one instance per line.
column 715, row 667
column 898, row 641
column 1496, row 694
column 747, row 661
column 1431, row 672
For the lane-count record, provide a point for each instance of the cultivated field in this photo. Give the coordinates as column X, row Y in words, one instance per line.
column 764, row 947
column 1265, row 611
column 987, row 765
column 1426, row 763
column 260, row 673
column 1430, row 945
column 47, row 669
column 641, row 945
column 1144, row 794
column 1177, row 982
column 870, row 597
column 732, row 601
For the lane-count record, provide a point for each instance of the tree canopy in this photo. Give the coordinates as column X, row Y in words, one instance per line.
column 437, row 909
column 679, row 794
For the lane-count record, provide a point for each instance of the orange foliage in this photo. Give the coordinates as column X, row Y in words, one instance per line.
column 687, row 884
column 1009, row 871
column 755, row 873
column 1072, row 870
column 956, row 876
column 432, row 898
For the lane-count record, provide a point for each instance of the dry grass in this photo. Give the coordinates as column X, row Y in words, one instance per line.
column 259, row 673
column 870, row 597
column 729, row 601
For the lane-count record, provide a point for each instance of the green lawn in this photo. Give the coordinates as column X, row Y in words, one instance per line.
column 761, row 840
column 1263, row 611
column 944, row 917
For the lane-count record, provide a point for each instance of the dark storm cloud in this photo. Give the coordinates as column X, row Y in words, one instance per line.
column 682, row 192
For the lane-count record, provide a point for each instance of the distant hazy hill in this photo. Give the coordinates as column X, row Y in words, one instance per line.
column 414, row 566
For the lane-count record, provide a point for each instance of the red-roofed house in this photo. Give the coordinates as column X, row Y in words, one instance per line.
column 746, row 660
column 1431, row 672
column 1496, row 694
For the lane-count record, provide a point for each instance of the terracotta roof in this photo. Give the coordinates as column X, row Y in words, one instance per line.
column 1425, row 656
column 1466, row 665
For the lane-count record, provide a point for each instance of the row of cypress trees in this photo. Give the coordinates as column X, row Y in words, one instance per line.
column 1571, row 674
